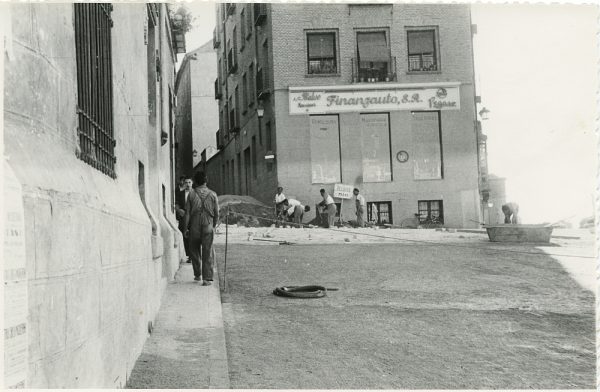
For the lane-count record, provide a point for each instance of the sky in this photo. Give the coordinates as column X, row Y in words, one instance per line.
column 537, row 73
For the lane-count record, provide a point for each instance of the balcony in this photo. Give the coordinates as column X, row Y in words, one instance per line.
column 424, row 62
column 230, row 8
column 260, row 13
column 374, row 71
column 263, row 86
column 232, row 61
column 216, row 39
column 218, row 94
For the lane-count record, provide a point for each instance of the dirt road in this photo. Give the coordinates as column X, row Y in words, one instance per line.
column 406, row 315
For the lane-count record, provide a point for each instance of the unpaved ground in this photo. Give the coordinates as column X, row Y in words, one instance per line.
column 407, row 315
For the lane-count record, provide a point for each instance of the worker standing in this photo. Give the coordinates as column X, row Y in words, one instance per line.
column 361, row 204
column 329, row 206
column 279, row 198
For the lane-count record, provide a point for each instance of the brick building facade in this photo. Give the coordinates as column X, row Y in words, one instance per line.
column 380, row 97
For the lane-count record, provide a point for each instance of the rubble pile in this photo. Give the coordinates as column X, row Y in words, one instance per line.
column 261, row 214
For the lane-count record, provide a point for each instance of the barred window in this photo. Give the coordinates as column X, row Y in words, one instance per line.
column 94, row 86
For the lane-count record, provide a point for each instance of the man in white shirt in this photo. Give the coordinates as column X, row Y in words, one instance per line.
column 361, row 204
column 329, row 206
column 279, row 198
column 295, row 210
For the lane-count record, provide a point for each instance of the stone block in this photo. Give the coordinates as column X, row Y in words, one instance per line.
column 47, row 318
column 83, row 308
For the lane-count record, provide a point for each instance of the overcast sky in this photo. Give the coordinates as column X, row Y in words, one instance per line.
column 537, row 73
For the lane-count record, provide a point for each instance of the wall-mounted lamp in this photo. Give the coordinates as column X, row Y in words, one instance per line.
column 484, row 113
column 260, row 112
column 270, row 156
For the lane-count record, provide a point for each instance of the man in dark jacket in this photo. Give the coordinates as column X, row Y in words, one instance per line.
column 201, row 217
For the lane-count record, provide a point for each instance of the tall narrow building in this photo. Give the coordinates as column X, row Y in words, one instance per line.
column 375, row 96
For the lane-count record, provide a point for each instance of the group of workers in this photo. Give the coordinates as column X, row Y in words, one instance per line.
column 293, row 210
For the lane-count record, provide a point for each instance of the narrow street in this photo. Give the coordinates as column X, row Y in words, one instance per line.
column 407, row 315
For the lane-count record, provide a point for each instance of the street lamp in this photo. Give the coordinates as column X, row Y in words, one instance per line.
column 484, row 113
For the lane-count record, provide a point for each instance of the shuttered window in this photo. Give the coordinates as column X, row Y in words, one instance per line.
column 93, row 25
column 321, row 53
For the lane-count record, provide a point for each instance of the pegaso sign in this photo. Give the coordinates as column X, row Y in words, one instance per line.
column 320, row 102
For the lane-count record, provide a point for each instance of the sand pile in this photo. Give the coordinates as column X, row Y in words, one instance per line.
column 260, row 213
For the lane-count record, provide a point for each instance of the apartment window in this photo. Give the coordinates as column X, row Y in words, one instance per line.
column 427, row 143
column 373, row 61
column 94, row 86
column 245, row 93
column 248, row 20
column 375, row 146
column 243, row 29
column 269, row 142
column 325, row 155
column 321, row 53
column 152, row 61
column 431, row 211
column 254, row 159
column 379, row 212
column 422, row 50
column 251, row 87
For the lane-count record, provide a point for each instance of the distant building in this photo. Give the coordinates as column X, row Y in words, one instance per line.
column 89, row 154
column 377, row 96
column 197, row 113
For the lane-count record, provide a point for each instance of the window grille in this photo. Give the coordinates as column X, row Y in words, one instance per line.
column 94, row 86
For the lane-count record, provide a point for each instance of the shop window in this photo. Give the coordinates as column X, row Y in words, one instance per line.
column 379, row 212
column 422, row 50
column 93, row 25
column 427, row 144
column 325, row 157
column 431, row 211
column 321, row 53
column 375, row 146
column 373, row 63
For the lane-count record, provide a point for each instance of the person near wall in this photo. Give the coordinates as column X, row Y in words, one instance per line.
column 361, row 205
column 181, row 197
column 329, row 206
column 294, row 210
column 511, row 213
column 279, row 207
column 201, row 217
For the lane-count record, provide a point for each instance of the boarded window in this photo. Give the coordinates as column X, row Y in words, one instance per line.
column 94, row 86
column 325, row 156
column 426, row 135
column 375, row 144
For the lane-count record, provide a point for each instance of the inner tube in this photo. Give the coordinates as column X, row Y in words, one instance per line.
column 313, row 291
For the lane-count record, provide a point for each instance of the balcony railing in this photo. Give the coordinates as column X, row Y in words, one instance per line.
column 322, row 66
column 218, row 94
column 263, row 86
column 232, row 61
column 216, row 39
column 260, row 13
column 374, row 72
column 424, row 62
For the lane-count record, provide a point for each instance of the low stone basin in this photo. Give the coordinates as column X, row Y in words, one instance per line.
column 519, row 233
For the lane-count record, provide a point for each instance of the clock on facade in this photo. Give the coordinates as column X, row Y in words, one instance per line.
column 402, row 156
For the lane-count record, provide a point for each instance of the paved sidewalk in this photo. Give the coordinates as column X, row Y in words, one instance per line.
column 187, row 347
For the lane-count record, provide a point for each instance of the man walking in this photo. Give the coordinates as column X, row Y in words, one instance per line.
column 361, row 204
column 329, row 206
column 201, row 217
